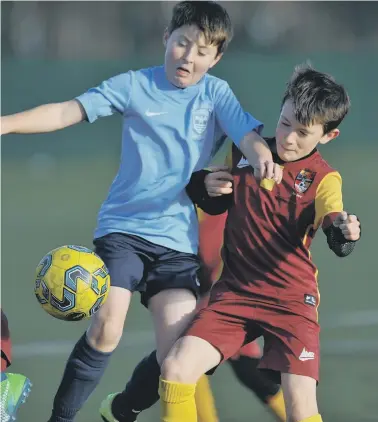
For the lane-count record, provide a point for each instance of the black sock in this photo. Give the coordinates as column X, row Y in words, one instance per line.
column 141, row 391
column 245, row 368
column 83, row 372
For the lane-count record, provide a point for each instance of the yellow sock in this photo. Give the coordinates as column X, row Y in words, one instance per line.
column 277, row 406
column 205, row 402
column 177, row 402
column 316, row 418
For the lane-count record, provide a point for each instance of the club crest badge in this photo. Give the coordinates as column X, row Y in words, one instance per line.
column 304, row 180
column 200, row 120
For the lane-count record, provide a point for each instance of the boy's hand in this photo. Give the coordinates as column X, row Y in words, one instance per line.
column 219, row 181
column 257, row 152
column 349, row 226
column 3, row 126
column 268, row 170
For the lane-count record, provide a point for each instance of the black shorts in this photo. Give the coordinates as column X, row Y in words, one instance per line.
column 136, row 264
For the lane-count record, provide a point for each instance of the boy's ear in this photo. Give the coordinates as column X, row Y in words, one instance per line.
column 329, row 136
column 216, row 60
column 165, row 37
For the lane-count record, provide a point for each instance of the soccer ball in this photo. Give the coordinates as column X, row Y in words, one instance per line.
column 71, row 283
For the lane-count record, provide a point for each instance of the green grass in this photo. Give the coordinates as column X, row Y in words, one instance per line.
column 42, row 209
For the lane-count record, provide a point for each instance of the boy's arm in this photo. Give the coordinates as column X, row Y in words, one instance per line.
column 336, row 239
column 256, row 151
column 110, row 96
column 197, row 192
column 45, row 118
column 244, row 130
column 342, row 231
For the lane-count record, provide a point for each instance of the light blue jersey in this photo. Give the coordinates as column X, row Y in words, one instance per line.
column 168, row 133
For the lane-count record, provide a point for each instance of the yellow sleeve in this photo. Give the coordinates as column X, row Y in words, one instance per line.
column 228, row 160
column 328, row 197
column 224, row 157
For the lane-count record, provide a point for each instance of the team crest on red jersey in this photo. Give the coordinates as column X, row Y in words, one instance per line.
column 303, row 180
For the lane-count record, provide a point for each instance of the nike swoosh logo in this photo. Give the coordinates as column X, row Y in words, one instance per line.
column 243, row 163
column 155, row 113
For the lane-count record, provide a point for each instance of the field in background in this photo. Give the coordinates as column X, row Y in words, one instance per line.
column 41, row 214
column 53, row 185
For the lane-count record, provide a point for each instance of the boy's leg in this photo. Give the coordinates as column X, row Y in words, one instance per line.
column 291, row 355
column 205, row 402
column 141, row 393
column 172, row 287
column 173, row 308
column 300, row 398
column 244, row 365
column 215, row 334
column 171, row 297
column 190, row 358
column 172, row 311
column 91, row 354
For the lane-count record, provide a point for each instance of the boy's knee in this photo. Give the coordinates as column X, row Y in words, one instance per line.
column 172, row 369
column 105, row 334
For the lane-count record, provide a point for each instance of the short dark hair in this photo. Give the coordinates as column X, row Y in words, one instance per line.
column 209, row 16
column 317, row 98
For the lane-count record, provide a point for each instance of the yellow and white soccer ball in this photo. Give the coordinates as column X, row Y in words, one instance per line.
column 71, row 283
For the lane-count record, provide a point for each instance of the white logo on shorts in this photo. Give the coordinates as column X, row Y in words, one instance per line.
column 306, row 355
column 243, row 163
column 198, row 282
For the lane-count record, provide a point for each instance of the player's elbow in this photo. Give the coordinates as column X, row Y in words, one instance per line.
column 70, row 113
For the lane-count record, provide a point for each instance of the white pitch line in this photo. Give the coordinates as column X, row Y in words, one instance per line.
column 145, row 339
column 352, row 319
column 348, row 347
column 132, row 340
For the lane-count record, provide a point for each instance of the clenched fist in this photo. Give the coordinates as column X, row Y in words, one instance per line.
column 219, row 181
column 349, row 225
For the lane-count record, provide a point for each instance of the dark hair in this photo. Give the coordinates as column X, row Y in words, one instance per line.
column 317, row 98
column 209, row 16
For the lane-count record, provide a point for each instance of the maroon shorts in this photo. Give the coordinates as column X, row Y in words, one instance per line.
column 6, row 345
column 251, row 350
column 291, row 341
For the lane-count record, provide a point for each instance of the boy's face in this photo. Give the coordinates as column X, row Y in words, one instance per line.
column 187, row 56
column 293, row 140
